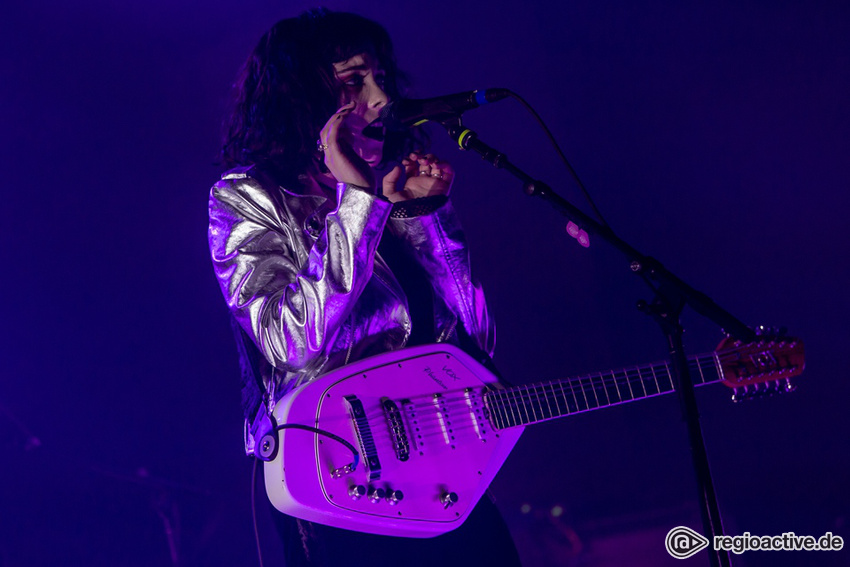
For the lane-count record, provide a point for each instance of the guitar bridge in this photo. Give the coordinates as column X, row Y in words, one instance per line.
column 401, row 444
column 364, row 437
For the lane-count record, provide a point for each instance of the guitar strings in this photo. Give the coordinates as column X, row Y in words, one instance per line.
column 455, row 422
column 521, row 403
column 577, row 385
column 520, row 397
column 629, row 379
column 596, row 381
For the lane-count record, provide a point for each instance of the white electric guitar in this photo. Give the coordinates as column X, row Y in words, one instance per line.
column 432, row 428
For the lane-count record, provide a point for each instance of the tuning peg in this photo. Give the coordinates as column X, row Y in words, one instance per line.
column 765, row 390
column 746, row 393
column 743, row 394
column 763, row 331
column 736, row 397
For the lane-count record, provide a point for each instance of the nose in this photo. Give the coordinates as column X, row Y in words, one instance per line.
column 377, row 97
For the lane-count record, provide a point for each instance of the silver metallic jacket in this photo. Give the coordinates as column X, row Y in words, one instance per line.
column 302, row 276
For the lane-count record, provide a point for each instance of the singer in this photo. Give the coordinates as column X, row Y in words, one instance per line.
column 331, row 245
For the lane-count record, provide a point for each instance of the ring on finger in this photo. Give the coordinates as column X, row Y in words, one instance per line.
column 424, row 172
column 436, row 173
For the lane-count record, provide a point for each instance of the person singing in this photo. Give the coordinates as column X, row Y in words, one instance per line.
column 324, row 261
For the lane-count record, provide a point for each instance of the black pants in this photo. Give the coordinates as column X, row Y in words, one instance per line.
column 483, row 539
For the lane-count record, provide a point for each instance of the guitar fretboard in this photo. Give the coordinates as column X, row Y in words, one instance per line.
column 523, row 405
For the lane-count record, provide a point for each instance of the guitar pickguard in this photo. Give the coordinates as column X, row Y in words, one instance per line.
column 433, row 447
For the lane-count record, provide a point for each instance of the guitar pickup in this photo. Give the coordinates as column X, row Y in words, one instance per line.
column 364, row 437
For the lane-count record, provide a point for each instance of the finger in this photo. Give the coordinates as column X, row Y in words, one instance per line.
column 333, row 124
column 390, row 181
column 330, row 130
column 427, row 159
column 416, row 165
column 410, row 167
column 444, row 174
column 441, row 174
column 445, row 168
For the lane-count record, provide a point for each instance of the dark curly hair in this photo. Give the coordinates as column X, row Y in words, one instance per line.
column 287, row 90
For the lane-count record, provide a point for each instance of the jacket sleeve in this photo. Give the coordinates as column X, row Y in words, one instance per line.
column 291, row 302
column 439, row 245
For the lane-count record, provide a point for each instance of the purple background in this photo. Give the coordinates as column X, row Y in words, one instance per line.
column 714, row 137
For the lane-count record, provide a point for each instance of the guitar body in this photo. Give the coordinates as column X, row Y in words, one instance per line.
column 418, row 420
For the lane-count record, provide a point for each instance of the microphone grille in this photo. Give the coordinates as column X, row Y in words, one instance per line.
column 388, row 116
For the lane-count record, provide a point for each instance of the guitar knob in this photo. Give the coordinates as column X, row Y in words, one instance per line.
column 376, row 495
column 448, row 499
column 394, row 497
column 357, row 492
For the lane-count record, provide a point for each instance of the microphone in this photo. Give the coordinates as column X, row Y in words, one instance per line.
column 405, row 113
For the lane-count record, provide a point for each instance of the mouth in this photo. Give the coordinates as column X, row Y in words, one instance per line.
column 375, row 131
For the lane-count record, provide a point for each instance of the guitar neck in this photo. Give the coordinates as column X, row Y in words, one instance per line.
column 524, row 405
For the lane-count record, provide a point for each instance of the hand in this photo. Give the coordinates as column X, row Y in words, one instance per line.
column 424, row 176
column 339, row 157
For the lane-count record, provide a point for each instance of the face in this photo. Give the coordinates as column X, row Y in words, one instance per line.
column 361, row 80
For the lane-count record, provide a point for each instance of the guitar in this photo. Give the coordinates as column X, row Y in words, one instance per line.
column 433, row 428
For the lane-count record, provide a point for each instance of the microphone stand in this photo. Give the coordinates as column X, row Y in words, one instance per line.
column 671, row 296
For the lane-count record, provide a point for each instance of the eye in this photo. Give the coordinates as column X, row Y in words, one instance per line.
column 354, row 81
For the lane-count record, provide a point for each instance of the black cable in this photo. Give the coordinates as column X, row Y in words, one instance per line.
column 572, row 171
column 328, row 434
column 254, row 510
column 560, row 153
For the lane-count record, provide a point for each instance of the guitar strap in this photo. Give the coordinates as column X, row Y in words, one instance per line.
column 469, row 346
column 258, row 423
column 255, row 396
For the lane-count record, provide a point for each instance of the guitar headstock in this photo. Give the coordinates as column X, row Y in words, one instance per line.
column 763, row 367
